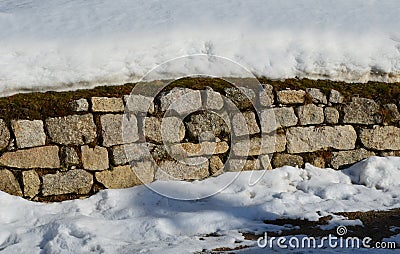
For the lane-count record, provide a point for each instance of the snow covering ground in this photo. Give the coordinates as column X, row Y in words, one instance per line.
column 137, row 220
column 51, row 45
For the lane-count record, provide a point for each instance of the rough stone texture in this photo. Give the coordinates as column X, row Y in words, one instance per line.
column 72, row 130
column 317, row 96
column 256, row 146
column 170, row 130
column 37, row 157
column 265, row 161
column 125, row 153
column 236, row 165
column 335, row 97
column 318, row 161
column 76, row 181
column 106, row 104
column 183, row 150
column 310, row 114
column 283, row 159
column 362, row 111
column 144, row 170
column 70, row 156
column 266, row 96
column 138, row 103
column 206, row 122
column 4, row 135
column 31, row 183
column 214, row 100
column 216, row 165
column 381, row 138
column 310, row 139
column 331, row 115
column 181, row 100
column 245, row 124
column 28, row 133
column 346, row 158
column 272, row 119
column 393, row 115
column 8, row 183
column 174, row 170
column 94, row 158
column 291, row 96
column 242, row 97
column 79, row 105
column 118, row 177
column 119, row 129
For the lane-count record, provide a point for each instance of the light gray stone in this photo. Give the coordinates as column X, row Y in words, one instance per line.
column 242, row 97
column 335, row 97
column 94, row 158
column 37, row 157
column 70, row 156
column 310, row 139
column 123, row 154
column 346, row 158
column 265, row 161
column 275, row 118
column 175, row 170
column 4, row 135
column 72, row 130
column 283, row 159
column 331, row 115
column 381, row 138
column 79, row 105
column 8, row 183
column 206, row 122
column 257, row 146
column 138, row 103
column 31, row 183
column 317, row 96
column 106, row 104
column 184, row 150
column 236, row 165
column 119, row 129
column 76, row 181
column 266, row 95
column 245, row 124
column 169, row 130
column 144, row 170
column 181, row 100
column 291, row 96
column 310, row 114
column 392, row 113
column 28, row 133
column 214, row 100
column 362, row 111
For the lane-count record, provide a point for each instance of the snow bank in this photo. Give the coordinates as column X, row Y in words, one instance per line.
column 50, row 45
column 137, row 220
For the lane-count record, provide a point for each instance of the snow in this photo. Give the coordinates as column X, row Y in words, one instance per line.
column 65, row 44
column 139, row 220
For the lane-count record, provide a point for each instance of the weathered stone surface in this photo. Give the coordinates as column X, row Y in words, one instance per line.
column 266, row 96
column 144, row 170
column 236, row 165
column 335, row 97
column 76, row 181
column 4, row 135
column 72, row 130
column 206, row 122
column 310, row 114
column 346, row 158
column 94, row 158
column 216, row 165
column 256, row 146
column 31, row 183
column 181, row 100
column 118, row 178
column 79, row 105
column 106, row 104
column 362, row 111
column 37, row 157
column 310, row 139
column 138, row 103
column 331, row 115
column 214, row 100
column 272, row 119
column 381, row 138
column 283, row 159
column 183, row 150
column 317, row 96
column 170, row 130
column 318, row 161
column 28, row 133
column 70, row 156
column 245, row 124
column 392, row 113
column 125, row 153
column 8, row 183
column 291, row 96
column 174, row 170
column 242, row 97
column 119, row 129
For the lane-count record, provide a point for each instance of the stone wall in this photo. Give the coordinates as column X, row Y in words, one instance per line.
column 189, row 134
